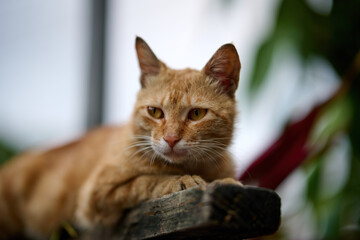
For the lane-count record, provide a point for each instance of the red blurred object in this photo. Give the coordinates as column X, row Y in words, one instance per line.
column 283, row 156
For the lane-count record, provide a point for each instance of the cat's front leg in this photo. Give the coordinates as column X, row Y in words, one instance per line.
column 106, row 202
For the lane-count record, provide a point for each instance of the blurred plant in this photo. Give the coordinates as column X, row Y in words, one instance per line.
column 6, row 152
column 309, row 142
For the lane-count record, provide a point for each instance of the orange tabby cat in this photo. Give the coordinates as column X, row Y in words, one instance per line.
column 176, row 139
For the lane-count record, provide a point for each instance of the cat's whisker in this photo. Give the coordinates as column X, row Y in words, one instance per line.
column 145, row 153
column 140, row 150
column 131, row 147
column 211, row 146
column 198, row 151
column 137, row 141
column 194, row 158
column 145, row 148
column 217, row 148
column 213, row 143
column 208, row 153
column 138, row 145
column 214, row 139
column 194, row 155
column 141, row 137
column 207, row 157
column 213, row 149
column 154, row 156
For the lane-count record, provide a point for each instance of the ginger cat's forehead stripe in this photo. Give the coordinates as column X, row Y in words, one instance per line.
column 174, row 97
column 174, row 100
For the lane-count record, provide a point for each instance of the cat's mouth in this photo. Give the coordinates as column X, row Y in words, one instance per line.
column 174, row 155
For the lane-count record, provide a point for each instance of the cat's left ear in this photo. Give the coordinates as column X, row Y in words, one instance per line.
column 224, row 67
column 149, row 63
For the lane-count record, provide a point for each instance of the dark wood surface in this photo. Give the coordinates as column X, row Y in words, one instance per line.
column 211, row 212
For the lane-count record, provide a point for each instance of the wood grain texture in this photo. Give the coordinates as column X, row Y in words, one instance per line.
column 211, row 212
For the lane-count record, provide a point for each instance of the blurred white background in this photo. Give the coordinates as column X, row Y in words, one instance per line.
column 43, row 65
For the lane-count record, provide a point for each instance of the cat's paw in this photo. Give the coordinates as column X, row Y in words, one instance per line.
column 187, row 181
column 227, row 181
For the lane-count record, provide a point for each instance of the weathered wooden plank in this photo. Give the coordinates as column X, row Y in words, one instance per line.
column 212, row 212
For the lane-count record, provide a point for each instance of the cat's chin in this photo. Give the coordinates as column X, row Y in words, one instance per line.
column 175, row 157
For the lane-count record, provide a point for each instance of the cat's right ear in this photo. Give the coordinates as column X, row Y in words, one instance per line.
column 224, row 68
column 149, row 63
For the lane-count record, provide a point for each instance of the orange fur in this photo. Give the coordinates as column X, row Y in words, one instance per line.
column 91, row 181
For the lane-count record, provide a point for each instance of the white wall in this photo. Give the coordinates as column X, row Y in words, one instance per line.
column 43, row 64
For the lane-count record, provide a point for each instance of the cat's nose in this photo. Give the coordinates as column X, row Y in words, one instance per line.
column 172, row 140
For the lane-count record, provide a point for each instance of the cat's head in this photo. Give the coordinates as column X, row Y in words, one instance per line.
column 185, row 115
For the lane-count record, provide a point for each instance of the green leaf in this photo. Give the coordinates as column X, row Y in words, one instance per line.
column 332, row 220
column 262, row 65
column 6, row 152
column 313, row 182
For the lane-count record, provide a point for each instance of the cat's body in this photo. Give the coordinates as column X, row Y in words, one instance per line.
column 176, row 139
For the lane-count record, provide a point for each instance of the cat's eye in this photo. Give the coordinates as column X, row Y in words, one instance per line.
column 197, row 114
column 155, row 112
